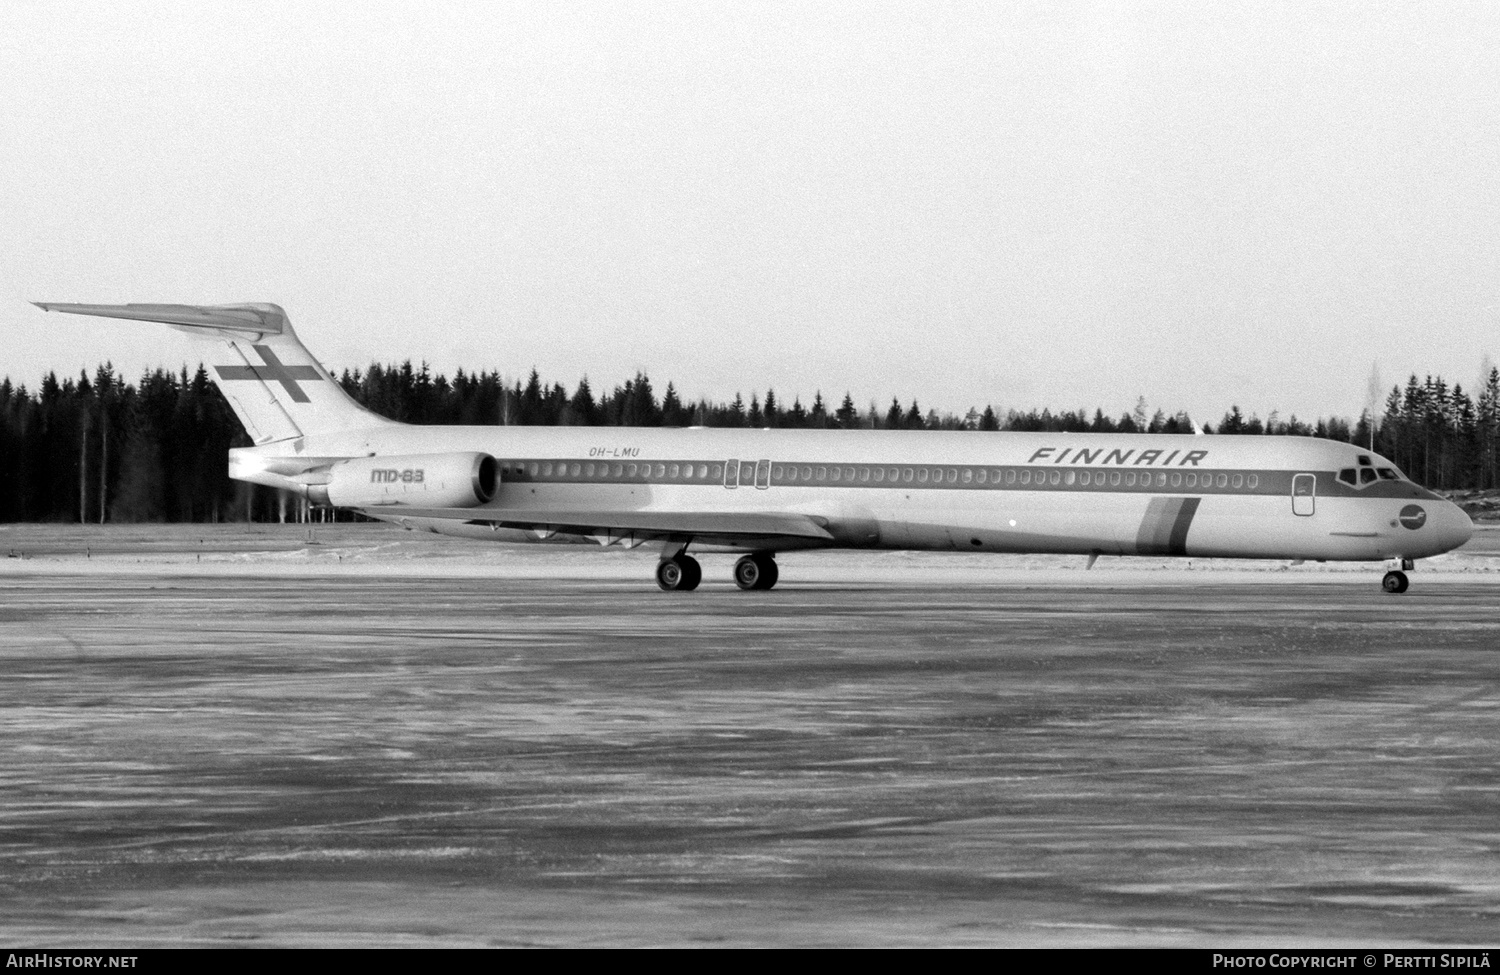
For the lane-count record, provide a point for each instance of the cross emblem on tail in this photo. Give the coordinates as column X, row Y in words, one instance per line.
column 272, row 372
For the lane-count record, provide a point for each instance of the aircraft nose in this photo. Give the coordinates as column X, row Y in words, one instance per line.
column 1455, row 528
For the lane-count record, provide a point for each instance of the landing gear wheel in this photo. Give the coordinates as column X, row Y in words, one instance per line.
column 669, row 574
column 680, row 574
column 756, row 571
column 1395, row 582
column 692, row 573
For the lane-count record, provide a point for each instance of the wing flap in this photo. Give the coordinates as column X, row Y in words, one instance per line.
column 718, row 524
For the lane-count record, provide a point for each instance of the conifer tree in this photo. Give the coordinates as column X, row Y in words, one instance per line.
column 847, row 416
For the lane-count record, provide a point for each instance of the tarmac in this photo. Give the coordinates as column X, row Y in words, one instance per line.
column 360, row 737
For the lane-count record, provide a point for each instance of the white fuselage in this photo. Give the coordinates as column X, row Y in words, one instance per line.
column 1144, row 494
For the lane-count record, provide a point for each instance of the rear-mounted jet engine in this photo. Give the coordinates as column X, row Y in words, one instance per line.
column 429, row 480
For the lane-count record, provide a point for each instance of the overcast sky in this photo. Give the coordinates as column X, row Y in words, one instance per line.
column 1025, row 204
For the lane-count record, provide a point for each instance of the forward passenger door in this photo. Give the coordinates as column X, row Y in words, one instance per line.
column 1304, row 494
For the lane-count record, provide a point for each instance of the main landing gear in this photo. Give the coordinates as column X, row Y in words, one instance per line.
column 757, row 571
column 1395, row 580
column 681, row 573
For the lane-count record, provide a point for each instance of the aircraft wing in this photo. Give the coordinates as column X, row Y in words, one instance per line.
column 584, row 522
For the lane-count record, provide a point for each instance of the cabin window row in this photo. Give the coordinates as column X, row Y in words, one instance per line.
column 1010, row 477
column 562, row 468
column 891, row 476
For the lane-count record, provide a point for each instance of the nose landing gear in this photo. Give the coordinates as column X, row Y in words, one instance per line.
column 1395, row 580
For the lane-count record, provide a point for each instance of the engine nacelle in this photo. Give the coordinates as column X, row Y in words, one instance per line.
column 424, row 480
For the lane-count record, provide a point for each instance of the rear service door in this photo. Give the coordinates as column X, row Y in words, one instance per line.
column 1304, row 494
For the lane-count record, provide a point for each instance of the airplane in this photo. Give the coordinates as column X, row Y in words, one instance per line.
column 756, row 493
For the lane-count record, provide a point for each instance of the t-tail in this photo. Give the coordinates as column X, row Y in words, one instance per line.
column 275, row 386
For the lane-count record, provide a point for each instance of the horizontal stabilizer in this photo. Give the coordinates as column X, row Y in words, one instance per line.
column 719, row 524
column 257, row 319
column 270, row 380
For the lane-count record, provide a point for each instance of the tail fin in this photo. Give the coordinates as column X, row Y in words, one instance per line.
column 275, row 386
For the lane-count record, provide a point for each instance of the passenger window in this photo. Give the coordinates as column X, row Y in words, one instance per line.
column 1192, row 480
column 906, row 475
column 1085, row 479
column 576, row 469
column 1223, row 480
column 1237, row 481
column 1072, row 477
column 1253, row 481
column 1010, row 477
column 661, row 470
column 1025, row 477
column 922, row 475
column 1130, row 479
column 675, row 471
column 822, row 473
column 807, row 473
column 879, row 474
column 716, row 473
column 1114, row 479
column 1176, row 480
column 1161, row 480
column 969, row 475
column 1056, row 478
column 864, row 474
column 983, row 475
column 834, row 474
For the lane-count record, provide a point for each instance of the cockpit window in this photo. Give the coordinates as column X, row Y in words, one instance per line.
column 1360, row 477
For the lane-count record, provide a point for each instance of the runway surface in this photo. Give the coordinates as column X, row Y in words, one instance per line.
column 397, row 760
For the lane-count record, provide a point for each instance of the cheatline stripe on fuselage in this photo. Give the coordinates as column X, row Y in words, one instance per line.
column 1089, row 480
column 1164, row 529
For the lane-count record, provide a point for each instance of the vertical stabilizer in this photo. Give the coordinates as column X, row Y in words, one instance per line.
column 275, row 386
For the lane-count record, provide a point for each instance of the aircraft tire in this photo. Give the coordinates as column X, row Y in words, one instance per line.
column 756, row 571
column 1395, row 582
column 670, row 575
column 692, row 573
